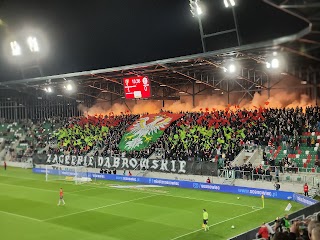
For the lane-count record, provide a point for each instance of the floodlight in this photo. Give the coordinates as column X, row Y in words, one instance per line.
column 15, row 48
column 48, row 89
column 228, row 3
column 275, row 63
column 199, row 10
column 33, row 44
column 268, row 65
column 68, row 87
column 195, row 8
column 232, row 68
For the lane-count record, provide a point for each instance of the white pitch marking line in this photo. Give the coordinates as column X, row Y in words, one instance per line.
column 159, row 194
column 153, row 194
column 22, row 186
column 176, row 196
column 92, row 209
column 215, row 224
column 206, row 200
column 46, row 190
column 21, row 216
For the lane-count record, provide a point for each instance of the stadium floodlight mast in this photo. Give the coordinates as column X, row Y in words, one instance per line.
column 232, row 4
column 196, row 10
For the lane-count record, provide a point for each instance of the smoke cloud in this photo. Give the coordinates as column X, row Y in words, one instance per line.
column 280, row 97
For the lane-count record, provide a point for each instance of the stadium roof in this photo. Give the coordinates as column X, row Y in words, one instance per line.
column 171, row 77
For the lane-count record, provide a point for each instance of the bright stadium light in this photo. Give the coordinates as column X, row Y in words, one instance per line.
column 195, row 7
column 68, row 87
column 48, row 89
column 199, row 10
column 275, row 63
column 229, row 3
column 232, row 68
column 15, row 48
column 33, row 44
column 268, row 65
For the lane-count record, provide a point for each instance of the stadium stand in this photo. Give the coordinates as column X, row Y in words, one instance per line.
column 289, row 137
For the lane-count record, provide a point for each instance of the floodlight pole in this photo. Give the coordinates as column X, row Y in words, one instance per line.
column 236, row 25
column 201, row 34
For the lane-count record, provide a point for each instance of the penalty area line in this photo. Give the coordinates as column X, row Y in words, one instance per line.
column 20, row 216
column 198, row 230
column 93, row 209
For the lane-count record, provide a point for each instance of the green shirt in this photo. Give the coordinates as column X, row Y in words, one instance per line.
column 205, row 215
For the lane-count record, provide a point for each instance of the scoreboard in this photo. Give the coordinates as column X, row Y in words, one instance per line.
column 137, row 87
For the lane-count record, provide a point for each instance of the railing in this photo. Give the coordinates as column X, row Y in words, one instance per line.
column 291, row 169
column 311, row 179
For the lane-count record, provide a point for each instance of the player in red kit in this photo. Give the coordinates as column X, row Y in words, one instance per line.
column 61, row 197
column 306, row 189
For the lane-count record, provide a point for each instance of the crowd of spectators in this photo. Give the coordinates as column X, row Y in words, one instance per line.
column 196, row 136
column 284, row 229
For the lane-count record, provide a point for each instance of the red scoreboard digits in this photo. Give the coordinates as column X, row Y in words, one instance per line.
column 137, row 87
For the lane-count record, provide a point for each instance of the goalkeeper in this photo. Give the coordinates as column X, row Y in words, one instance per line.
column 205, row 220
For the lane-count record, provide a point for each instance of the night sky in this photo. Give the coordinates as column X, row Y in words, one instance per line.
column 86, row 35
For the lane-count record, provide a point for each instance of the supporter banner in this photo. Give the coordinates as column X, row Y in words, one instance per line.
column 183, row 184
column 146, row 130
column 173, row 166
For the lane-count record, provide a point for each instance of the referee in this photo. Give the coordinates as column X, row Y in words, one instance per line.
column 205, row 220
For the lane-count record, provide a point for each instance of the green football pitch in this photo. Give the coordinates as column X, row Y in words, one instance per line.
column 114, row 210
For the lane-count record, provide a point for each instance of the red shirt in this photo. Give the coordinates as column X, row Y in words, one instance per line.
column 263, row 232
column 61, row 193
column 305, row 188
column 208, row 180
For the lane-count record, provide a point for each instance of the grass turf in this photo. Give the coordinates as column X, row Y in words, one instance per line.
column 96, row 211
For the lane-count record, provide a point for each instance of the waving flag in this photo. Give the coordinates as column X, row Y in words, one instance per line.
column 146, row 130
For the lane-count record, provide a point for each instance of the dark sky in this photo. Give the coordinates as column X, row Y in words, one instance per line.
column 85, row 35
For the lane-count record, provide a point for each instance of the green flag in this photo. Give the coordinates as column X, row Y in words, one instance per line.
column 146, row 130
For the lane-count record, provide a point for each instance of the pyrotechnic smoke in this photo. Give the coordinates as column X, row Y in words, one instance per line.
column 280, row 96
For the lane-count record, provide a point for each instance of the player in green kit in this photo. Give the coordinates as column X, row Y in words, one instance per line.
column 205, row 220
